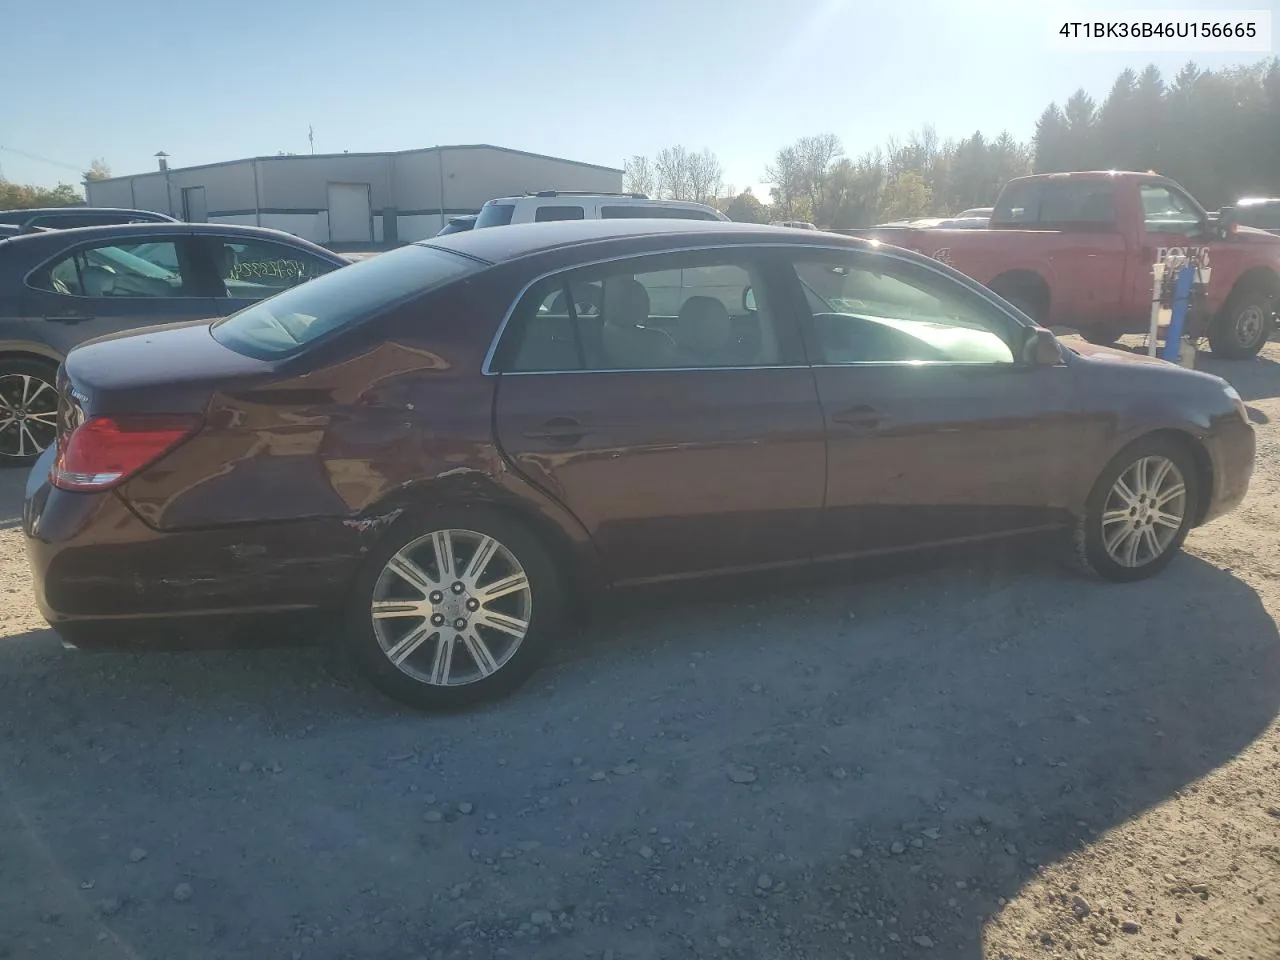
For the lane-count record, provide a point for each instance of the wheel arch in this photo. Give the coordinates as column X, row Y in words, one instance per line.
column 16, row 350
column 1023, row 282
column 1261, row 276
column 569, row 544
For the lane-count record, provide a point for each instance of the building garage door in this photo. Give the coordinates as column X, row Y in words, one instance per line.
column 350, row 219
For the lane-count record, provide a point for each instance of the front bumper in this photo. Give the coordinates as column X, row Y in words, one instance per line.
column 93, row 560
column 1231, row 447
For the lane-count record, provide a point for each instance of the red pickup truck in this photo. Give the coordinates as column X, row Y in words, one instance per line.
column 1076, row 250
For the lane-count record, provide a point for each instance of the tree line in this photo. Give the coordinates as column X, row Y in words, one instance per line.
column 27, row 196
column 1216, row 132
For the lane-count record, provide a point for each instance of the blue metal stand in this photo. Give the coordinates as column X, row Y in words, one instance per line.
column 1178, row 317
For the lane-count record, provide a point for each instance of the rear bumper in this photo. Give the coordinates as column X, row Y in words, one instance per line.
column 92, row 560
column 1231, row 450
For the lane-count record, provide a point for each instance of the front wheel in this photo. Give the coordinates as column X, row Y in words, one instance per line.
column 1243, row 324
column 1139, row 512
column 453, row 608
column 28, row 410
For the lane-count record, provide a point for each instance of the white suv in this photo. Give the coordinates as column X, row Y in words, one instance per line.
column 571, row 205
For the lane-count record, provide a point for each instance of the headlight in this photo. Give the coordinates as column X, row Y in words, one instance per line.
column 1234, row 397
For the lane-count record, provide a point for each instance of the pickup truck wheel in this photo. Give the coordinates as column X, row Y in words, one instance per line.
column 1243, row 324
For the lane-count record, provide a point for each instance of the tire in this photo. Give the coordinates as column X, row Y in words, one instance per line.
column 1100, row 523
column 1244, row 323
column 28, row 410
column 437, row 633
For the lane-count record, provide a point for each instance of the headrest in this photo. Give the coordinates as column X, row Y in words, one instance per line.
column 626, row 302
column 703, row 324
column 98, row 281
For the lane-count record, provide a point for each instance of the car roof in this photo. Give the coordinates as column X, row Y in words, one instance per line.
column 59, row 238
column 511, row 242
column 41, row 211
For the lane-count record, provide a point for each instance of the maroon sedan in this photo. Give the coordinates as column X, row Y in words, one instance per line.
column 449, row 443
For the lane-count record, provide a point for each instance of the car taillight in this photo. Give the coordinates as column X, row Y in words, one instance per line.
column 105, row 451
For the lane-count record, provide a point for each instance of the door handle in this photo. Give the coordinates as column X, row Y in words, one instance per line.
column 861, row 417
column 70, row 317
column 558, row 430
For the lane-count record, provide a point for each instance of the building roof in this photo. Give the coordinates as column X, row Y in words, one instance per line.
column 382, row 153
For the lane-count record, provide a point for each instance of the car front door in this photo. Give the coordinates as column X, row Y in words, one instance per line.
column 248, row 269
column 936, row 429
column 665, row 402
column 101, row 288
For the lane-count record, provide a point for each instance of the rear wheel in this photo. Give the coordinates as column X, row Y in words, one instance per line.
column 1243, row 324
column 28, row 410
column 453, row 608
column 1139, row 511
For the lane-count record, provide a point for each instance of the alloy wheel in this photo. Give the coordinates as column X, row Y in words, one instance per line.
column 1251, row 324
column 28, row 415
column 451, row 607
column 1144, row 511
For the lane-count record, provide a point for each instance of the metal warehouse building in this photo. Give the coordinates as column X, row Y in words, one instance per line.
column 350, row 198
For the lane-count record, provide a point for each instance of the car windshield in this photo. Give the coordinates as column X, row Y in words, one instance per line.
column 284, row 324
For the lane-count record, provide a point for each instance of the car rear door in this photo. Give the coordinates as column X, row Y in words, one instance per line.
column 668, row 411
column 112, row 285
column 936, row 431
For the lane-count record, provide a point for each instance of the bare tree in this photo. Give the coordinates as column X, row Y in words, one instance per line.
column 638, row 175
column 98, row 170
column 672, row 168
column 815, row 155
column 706, row 176
column 785, row 178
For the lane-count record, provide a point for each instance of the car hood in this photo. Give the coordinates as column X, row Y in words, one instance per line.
column 1257, row 235
column 1112, row 355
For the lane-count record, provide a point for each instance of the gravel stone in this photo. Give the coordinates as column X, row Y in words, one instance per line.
column 137, row 855
column 897, row 847
column 183, row 892
column 764, row 881
column 740, row 774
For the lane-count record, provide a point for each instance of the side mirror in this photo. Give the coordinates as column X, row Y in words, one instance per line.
column 1228, row 220
column 1042, row 348
column 749, row 300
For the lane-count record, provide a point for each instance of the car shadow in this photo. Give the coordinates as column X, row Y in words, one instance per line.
column 845, row 762
column 1254, row 379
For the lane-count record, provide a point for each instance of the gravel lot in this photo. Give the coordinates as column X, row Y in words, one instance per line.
column 987, row 757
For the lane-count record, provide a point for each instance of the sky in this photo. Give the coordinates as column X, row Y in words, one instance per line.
column 591, row 80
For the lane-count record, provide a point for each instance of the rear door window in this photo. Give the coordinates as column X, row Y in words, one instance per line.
column 1056, row 204
column 120, row 270
column 1264, row 216
column 254, row 269
column 548, row 213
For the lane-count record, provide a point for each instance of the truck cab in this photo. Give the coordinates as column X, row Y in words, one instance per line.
column 1076, row 250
